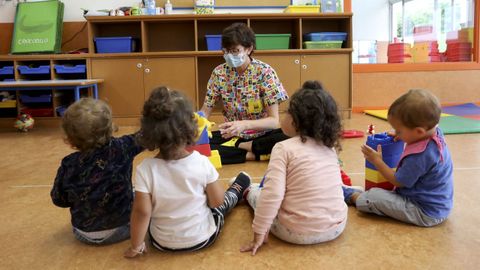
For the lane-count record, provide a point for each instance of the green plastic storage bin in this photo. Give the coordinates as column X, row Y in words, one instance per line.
column 330, row 44
column 38, row 27
column 273, row 41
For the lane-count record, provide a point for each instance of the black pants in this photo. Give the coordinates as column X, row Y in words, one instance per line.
column 260, row 146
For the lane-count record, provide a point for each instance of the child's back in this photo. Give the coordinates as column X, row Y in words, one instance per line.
column 95, row 182
column 301, row 201
column 313, row 200
column 180, row 215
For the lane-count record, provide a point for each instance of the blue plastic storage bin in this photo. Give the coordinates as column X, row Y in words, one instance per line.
column 66, row 69
column 6, row 70
column 325, row 36
column 214, row 42
column 36, row 99
column 114, row 44
column 45, row 69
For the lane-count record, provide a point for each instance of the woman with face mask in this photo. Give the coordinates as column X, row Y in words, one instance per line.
column 250, row 92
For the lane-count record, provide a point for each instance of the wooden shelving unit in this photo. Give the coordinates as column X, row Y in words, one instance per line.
column 171, row 50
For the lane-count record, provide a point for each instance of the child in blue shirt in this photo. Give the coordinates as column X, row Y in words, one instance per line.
column 424, row 183
column 95, row 182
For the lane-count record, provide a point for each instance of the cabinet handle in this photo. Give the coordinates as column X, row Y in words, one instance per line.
column 304, row 66
column 147, row 70
column 297, row 61
column 139, row 65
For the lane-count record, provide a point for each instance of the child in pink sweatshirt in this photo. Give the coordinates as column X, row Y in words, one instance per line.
column 301, row 201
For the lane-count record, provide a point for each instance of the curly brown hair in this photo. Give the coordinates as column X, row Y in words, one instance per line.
column 315, row 115
column 168, row 123
column 87, row 124
column 417, row 108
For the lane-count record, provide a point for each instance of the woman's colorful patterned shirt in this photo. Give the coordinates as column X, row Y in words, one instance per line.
column 245, row 96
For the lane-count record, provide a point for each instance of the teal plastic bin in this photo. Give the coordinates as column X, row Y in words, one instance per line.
column 273, row 41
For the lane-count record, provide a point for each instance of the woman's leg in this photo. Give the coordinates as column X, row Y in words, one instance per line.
column 262, row 146
column 228, row 154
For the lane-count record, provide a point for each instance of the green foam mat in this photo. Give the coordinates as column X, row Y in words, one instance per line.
column 457, row 125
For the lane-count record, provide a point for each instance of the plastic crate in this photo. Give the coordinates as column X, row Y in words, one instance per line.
column 398, row 49
column 40, row 70
column 68, row 69
column 6, row 70
column 214, row 42
column 273, row 41
column 322, row 44
column 114, row 44
column 38, row 112
column 8, row 104
column 325, row 36
column 36, row 99
column 303, row 9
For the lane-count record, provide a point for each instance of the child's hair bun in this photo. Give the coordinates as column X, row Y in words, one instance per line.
column 312, row 85
column 160, row 106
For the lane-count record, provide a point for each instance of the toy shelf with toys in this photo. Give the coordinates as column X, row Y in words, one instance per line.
column 49, row 102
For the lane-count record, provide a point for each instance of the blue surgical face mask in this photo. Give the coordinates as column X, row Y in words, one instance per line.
column 234, row 61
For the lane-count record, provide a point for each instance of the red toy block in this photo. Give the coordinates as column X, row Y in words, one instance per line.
column 203, row 149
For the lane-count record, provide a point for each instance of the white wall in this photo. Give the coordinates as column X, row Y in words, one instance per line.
column 370, row 20
column 73, row 10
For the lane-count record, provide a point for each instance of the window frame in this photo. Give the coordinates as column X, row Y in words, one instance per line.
column 413, row 67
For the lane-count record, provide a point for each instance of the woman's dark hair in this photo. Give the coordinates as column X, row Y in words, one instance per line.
column 238, row 34
column 315, row 114
column 168, row 122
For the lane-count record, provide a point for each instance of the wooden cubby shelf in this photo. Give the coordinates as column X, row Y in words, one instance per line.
column 171, row 50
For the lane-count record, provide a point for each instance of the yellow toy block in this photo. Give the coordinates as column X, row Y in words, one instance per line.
column 215, row 159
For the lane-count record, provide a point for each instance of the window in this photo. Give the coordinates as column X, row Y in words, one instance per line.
column 413, row 31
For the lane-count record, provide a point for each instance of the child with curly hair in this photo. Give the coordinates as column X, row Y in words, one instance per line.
column 178, row 199
column 95, row 182
column 301, row 201
column 424, row 177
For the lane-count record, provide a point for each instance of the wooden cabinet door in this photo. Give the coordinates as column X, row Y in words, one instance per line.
column 123, row 85
column 288, row 71
column 333, row 71
column 175, row 73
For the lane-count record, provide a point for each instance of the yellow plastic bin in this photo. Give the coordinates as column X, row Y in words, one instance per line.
column 273, row 41
column 8, row 104
column 303, row 9
column 330, row 44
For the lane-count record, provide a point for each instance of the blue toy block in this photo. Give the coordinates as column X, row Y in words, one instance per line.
column 203, row 138
column 391, row 150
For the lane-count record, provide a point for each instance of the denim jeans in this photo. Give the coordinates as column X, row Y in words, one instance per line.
column 116, row 235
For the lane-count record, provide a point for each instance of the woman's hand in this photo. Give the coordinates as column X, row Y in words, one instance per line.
column 371, row 155
column 232, row 129
column 133, row 252
column 258, row 241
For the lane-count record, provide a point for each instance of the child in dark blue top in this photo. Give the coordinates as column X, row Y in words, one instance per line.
column 424, row 183
column 95, row 182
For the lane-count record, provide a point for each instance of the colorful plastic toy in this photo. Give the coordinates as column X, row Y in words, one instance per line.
column 391, row 153
column 24, row 122
column 202, row 143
